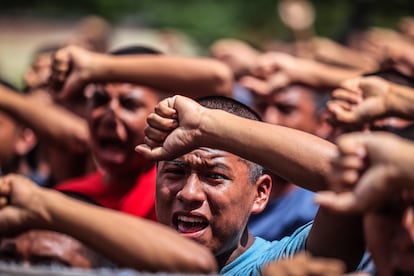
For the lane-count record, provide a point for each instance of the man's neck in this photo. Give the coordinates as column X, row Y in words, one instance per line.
column 230, row 255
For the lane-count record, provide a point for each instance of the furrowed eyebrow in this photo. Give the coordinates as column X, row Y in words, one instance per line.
column 210, row 165
column 218, row 166
column 177, row 163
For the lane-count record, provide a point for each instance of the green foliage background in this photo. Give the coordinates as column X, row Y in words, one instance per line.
column 207, row 20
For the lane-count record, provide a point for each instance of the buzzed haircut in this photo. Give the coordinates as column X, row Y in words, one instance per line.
column 394, row 76
column 229, row 105
column 239, row 109
column 135, row 50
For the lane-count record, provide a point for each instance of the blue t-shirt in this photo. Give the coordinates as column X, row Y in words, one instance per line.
column 284, row 215
column 262, row 252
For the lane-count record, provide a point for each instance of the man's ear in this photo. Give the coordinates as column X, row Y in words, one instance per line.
column 263, row 188
column 26, row 141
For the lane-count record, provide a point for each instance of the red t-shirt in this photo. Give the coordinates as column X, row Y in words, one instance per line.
column 138, row 200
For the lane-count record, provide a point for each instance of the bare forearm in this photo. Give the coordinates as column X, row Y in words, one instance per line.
column 328, row 75
column 357, row 60
column 345, row 56
column 127, row 240
column 337, row 236
column 189, row 76
column 47, row 120
column 295, row 155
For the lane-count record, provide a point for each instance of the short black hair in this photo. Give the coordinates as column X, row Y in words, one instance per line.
column 239, row 109
column 229, row 105
column 393, row 76
column 135, row 50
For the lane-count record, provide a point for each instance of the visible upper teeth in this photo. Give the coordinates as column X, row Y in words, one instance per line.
column 190, row 219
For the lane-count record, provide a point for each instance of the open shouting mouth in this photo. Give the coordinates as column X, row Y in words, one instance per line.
column 190, row 225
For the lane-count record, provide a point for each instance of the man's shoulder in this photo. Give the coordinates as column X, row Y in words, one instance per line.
column 262, row 252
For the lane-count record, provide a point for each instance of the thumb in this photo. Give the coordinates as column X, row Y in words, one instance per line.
column 340, row 114
column 154, row 154
column 353, row 143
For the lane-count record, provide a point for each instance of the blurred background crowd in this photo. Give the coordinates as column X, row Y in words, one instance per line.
column 322, row 67
column 186, row 27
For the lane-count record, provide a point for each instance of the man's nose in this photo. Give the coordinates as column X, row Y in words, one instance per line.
column 114, row 106
column 192, row 192
column 112, row 118
column 108, row 112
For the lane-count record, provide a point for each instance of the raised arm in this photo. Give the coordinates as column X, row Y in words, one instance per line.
column 283, row 69
column 371, row 173
column 376, row 166
column 50, row 122
column 180, row 125
column 185, row 125
column 191, row 76
column 369, row 99
column 127, row 240
column 329, row 51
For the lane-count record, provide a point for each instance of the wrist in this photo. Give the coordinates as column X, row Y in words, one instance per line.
column 390, row 99
column 96, row 67
column 310, row 72
column 205, row 128
column 212, row 131
column 39, row 216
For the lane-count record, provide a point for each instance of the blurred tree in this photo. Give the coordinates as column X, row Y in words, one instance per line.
column 207, row 20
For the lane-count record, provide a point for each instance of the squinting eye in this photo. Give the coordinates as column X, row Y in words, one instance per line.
column 177, row 171
column 286, row 109
column 217, row 176
column 130, row 104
